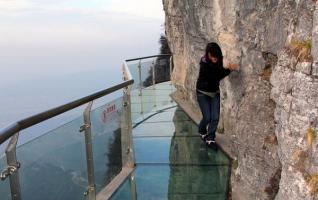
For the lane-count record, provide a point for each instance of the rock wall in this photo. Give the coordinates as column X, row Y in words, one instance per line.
column 270, row 106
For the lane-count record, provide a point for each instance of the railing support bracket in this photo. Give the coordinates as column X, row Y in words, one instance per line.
column 9, row 171
column 84, row 127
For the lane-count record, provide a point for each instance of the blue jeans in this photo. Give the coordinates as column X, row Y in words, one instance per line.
column 210, row 109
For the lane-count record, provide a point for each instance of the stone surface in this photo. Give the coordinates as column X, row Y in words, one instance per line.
column 269, row 104
column 295, row 112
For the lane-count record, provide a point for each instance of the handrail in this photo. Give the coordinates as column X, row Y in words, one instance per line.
column 160, row 55
column 10, row 130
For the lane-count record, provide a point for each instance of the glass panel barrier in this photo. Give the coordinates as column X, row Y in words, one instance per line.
column 152, row 99
column 53, row 166
column 106, row 138
column 162, row 71
column 4, row 184
column 144, row 76
column 148, row 98
column 146, row 73
column 152, row 95
column 133, row 68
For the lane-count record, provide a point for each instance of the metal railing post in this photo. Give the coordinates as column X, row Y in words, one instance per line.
column 153, row 74
column 126, row 134
column 86, row 127
column 133, row 188
column 13, row 168
column 139, row 78
column 154, row 81
column 140, row 88
column 170, row 68
column 128, row 159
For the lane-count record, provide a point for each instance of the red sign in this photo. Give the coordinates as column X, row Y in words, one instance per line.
column 108, row 110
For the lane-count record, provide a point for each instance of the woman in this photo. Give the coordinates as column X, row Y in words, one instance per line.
column 208, row 93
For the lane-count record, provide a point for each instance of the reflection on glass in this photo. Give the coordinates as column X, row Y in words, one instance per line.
column 180, row 182
column 106, row 134
column 176, row 150
column 173, row 163
column 161, row 65
column 205, row 173
column 142, row 130
column 53, row 166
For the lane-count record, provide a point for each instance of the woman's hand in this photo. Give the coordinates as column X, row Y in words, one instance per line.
column 232, row 66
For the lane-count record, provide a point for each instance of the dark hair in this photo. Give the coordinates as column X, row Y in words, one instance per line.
column 215, row 51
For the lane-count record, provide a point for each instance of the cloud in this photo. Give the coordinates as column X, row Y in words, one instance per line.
column 144, row 8
column 140, row 8
column 39, row 34
column 51, row 34
column 9, row 6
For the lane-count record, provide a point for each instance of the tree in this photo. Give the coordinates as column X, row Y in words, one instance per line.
column 164, row 48
column 162, row 64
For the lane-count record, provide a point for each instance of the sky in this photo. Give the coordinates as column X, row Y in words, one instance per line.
column 51, row 32
column 54, row 51
column 143, row 8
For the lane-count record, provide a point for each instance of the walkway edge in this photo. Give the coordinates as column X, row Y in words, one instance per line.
column 111, row 188
column 222, row 139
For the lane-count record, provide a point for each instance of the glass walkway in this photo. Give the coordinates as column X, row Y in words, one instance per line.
column 143, row 131
column 171, row 160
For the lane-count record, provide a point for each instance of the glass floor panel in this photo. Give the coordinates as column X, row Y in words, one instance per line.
column 164, row 129
column 176, row 150
column 172, row 162
column 155, row 129
column 151, row 100
column 169, row 115
column 175, row 182
column 138, row 116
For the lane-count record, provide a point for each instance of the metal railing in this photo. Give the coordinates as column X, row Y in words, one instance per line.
column 12, row 132
column 14, row 128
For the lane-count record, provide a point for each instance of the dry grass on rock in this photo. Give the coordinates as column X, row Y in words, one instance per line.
column 301, row 49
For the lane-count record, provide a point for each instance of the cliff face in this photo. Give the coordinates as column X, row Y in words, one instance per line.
column 269, row 112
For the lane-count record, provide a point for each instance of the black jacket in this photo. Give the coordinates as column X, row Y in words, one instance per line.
column 210, row 76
